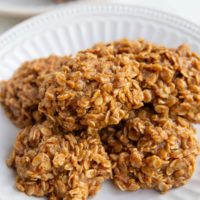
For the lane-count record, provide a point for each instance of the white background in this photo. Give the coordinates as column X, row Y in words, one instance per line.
column 188, row 9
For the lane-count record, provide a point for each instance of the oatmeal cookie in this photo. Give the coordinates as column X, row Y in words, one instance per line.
column 19, row 95
column 169, row 77
column 48, row 163
column 149, row 151
column 98, row 89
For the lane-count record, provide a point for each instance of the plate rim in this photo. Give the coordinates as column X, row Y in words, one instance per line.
column 75, row 9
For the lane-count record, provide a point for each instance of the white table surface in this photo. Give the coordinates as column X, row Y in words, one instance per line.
column 188, row 9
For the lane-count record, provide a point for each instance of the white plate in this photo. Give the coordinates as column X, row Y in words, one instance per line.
column 70, row 29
